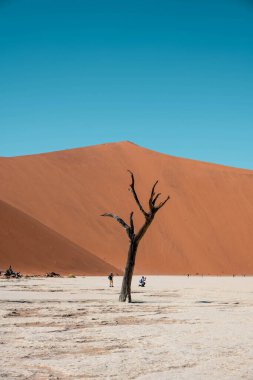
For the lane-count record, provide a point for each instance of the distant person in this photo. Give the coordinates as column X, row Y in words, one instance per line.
column 9, row 271
column 110, row 278
column 142, row 281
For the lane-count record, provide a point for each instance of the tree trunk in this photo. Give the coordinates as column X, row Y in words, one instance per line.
column 127, row 279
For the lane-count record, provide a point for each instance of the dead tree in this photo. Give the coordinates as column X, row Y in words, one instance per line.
column 135, row 238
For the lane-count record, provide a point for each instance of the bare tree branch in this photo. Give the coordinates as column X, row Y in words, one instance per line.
column 162, row 203
column 153, row 190
column 132, row 223
column 135, row 195
column 155, row 199
column 120, row 221
column 151, row 204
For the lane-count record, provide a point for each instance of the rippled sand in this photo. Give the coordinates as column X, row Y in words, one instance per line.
column 177, row 328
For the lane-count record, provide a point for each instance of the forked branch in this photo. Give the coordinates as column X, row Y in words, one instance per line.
column 162, row 203
column 148, row 216
column 151, row 199
column 155, row 199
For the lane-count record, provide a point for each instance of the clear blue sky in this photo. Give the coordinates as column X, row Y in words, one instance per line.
column 175, row 76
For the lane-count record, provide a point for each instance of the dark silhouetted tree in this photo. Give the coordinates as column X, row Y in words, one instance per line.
column 135, row 238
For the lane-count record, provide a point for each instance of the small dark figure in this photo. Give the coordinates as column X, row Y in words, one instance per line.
column 52, row 274
column 10, row 273
column 142, row 281
column 110, row 278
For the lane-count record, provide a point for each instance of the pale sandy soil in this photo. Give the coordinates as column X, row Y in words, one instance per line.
column 178, row 328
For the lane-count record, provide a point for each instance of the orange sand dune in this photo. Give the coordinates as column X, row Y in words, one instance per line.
column 205, row 228
column 32, row 247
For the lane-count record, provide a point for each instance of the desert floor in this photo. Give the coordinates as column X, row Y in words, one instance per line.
column 176, row 328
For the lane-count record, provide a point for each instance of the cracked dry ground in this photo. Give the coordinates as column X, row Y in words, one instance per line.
column 178, row 328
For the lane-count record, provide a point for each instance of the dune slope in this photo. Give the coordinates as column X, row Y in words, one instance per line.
column 206, row 227
column 33, row 248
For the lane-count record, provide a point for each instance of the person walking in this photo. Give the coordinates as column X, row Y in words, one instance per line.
column 110, row 278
